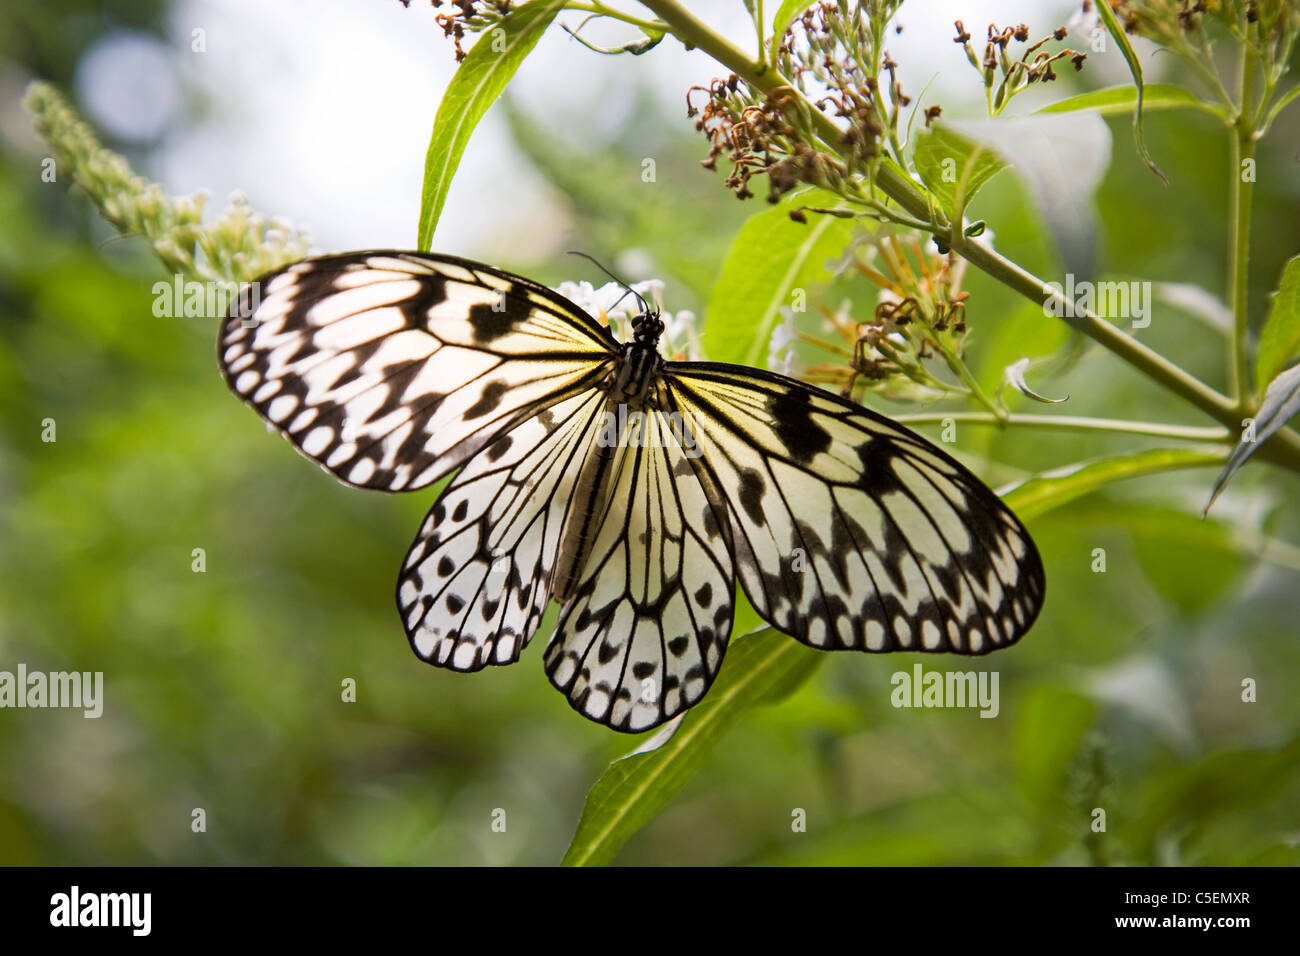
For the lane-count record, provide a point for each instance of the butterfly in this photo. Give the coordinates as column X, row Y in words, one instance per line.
column 632, row 490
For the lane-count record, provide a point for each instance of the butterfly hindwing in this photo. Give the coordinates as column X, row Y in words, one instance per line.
column 849, row 530
column 476, row 581
column 391, row 369
column 645, row 632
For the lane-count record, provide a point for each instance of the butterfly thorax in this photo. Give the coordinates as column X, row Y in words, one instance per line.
column 636, row 368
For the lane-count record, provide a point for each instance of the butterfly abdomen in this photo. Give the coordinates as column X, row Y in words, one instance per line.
column 590, row 496
column 631, row 381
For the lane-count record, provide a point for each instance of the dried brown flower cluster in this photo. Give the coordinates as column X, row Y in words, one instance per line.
column 921, row 311
column 827, row 51
column 1270, row 28
column 467, row 16
column 756, row 138
column 1010, row 68
column 1158, row 19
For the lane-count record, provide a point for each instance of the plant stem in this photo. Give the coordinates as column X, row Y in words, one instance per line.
column 1241, row 189
column 599, row 9
column 1069, row 423
column 1283, row 448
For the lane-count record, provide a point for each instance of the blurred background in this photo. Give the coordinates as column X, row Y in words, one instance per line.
column 222, row 688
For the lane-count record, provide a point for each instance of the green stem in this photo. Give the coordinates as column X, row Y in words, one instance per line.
column 1069, row 423
column 1283, row 448
column 1241, row 189
column 959, row 368
column 603, row 11
column 1202, row 60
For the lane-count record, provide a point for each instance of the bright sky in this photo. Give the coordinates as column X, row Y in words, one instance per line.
column 320, row 110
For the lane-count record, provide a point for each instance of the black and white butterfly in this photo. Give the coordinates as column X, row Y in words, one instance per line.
column 632, row 490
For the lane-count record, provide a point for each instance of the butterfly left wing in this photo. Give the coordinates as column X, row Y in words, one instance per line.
column 849, row 530
column 644, row 633
column 392, row 369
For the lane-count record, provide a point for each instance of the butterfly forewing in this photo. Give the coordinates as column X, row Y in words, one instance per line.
column 392, row 369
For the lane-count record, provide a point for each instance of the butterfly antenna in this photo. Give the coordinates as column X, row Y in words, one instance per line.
column 645, row 306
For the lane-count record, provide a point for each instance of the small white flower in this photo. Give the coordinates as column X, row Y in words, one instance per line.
column 680, row 334
column 781, row 356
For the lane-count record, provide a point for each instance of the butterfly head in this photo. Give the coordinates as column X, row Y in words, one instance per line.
column 647, row 327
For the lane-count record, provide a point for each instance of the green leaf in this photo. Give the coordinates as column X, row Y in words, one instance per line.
column 771, row 256
column 785, row 15
column 954, row 167
column 1052, row 489
column 1190, row 561
column 763, row 668
column 1281, row 401
column 479, row 80
column 1122, row 100
column 1116, row 31
column 1280, row 340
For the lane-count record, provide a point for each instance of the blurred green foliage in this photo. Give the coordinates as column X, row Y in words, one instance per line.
column 223, row 688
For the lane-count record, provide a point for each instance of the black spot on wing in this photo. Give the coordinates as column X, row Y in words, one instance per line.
column 488, row 401
column 433, row 291
column 490, row 321
column 499, row 447
column 877, row 459
column 794, row 425
column 751, row 495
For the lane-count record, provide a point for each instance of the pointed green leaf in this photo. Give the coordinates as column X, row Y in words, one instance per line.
column 1122, row 100
column 1280, row 340
column 479, row 80
column 771, row 256
column 1281, row 401
column 1117, row 34
column 1052, row 489
column 762, row 668
column 954, row 167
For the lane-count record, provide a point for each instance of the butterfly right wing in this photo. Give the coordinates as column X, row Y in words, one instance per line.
column 391, row 369
column 477, row 579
